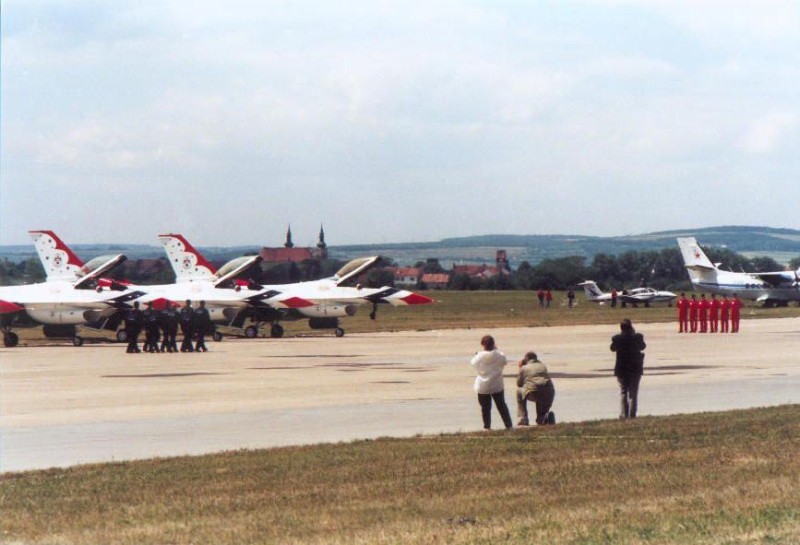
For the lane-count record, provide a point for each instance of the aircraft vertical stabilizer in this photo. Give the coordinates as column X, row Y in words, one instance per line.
column 693, row 256
column 57, row 259
column 189, row 264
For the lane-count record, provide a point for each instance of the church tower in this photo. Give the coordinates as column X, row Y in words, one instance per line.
column 289, row 243
column 322, row 248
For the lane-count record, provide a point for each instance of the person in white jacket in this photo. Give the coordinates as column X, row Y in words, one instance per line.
column 489, row 364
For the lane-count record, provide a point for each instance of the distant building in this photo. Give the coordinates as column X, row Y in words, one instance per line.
column 289, row 254
column 436, row 281
column 485, row 271
column 407, row 276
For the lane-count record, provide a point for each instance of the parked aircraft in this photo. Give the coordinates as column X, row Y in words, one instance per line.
column 322, row 302
column 771, row 288
column 222, row 304
column 70, row 296
column 634, row 296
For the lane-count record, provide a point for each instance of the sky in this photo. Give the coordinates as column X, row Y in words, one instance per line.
column 395, row 121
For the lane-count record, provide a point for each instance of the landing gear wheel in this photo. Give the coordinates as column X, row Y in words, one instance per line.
column 77, row 341
column 10, row 339
column 339, row 332
column 276, row 331
column 251, row 332
column 217, row 336
column 122, row 336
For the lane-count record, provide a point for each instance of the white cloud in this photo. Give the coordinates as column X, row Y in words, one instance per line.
column 766, row 133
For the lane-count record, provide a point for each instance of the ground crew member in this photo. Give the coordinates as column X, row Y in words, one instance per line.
column 151, row 319
column 570, row 299
column 736, row 305
column 186, row 318
column 724, row 313
column 548, row 298
column 713, row 313
column 693, row 308
column 540, row 296
column 683, row 314
column 613, row 297
column 133, row 325
column 169, row 326
column 702, row 311
column 201, row 325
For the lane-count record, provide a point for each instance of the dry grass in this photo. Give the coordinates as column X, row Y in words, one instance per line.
column 710, row 479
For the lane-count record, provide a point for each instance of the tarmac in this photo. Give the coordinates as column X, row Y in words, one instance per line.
column 61, row 406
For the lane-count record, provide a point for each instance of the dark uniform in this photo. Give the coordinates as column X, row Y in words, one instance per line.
column 629, row 367
column 202, row 325
column 133, row 325
column 186, row 318
column 169, row 328
column 151, row 322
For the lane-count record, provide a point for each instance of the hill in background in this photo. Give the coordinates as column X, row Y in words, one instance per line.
column 779, row 244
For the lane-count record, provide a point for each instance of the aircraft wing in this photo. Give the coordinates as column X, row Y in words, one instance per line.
column 235, row 268
column 85, row 281
column 777, row 278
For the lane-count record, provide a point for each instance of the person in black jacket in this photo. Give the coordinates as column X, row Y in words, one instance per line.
column 151, row 323
column 133, row 325
column 202, row 325
column 169, row 327
column 186, row 318
column 629, row 367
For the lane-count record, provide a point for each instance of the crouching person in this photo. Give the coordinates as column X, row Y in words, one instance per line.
column 534, row 385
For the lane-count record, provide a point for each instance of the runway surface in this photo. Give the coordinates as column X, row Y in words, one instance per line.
column 61, row 405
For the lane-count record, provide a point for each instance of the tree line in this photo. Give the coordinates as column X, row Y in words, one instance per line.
column 663, row 269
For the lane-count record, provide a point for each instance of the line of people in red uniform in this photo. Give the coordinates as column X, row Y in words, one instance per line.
column 709, row 316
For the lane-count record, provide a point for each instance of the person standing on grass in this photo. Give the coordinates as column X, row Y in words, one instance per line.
column 548, row 298
column 534, row 385
column 489, row 364
column 629, row 367
column 540, row 296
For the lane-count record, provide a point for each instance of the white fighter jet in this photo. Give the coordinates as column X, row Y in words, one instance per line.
column 71, row 295
column 222, row 304
column 322, row 302
column 771, row 288
column 634, row 296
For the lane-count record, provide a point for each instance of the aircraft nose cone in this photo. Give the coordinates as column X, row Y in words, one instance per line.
column 417, row 299
column 7, row 307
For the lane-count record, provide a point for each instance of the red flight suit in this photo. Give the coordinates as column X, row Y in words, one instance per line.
column 736, row 304
column 724, row 312
column 713, row 313
column 694, row 306
column 703, row 312
column 683, row 314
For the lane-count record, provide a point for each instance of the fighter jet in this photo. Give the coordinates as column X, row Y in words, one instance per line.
column 634, row 296
column 771, row 288
column 71, row 295
column 322, row 302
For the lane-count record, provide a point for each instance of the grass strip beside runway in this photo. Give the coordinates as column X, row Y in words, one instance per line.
column 713, row 478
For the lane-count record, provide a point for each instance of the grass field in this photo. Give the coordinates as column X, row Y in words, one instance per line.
column 488, row 309
column 719, row 478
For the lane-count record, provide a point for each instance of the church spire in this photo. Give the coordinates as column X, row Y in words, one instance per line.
column 289, row 243
column 322, row 248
